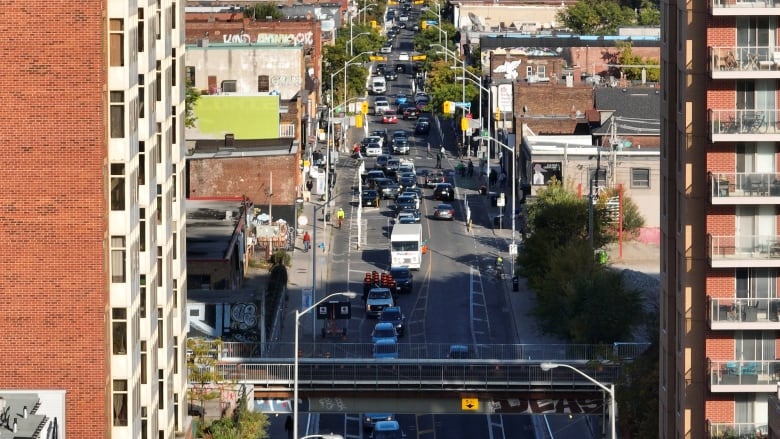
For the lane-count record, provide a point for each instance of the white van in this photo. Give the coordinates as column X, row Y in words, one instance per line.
column 380, row 106
column 378, row 85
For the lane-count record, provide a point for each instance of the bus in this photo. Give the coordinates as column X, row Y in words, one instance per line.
column 406, row 246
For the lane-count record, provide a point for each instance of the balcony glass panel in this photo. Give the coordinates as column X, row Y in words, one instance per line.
column 744, row 313
column 744, row 375
column 745, row 184
column 754, row 121
column 738, row 430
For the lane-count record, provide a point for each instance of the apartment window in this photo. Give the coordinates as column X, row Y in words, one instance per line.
column 142, row 229
column 141, row 97
column 263, row 84
column 173, row 182
column 158, row 151
column 117, row 186
column 175, row 354
column 141, row 163
column 640, row 178
column 190, row 73
column 160, row 390
column 173, row 125
column 120, row 402
column 159, row 266
column 144, row 376
column 175, row 293
column 176, row 425
column 158, row 81
column 175, row 247
column 117, row 115
column 142, row 281
column 116, row 42
column 119, row 331
column 541, row 71
column 173, row 15
column 118, row 259
column 160, row 328
column 141, row 31
column 173, row 68
column 144, row 423
column 158, row 20
column 159, row 204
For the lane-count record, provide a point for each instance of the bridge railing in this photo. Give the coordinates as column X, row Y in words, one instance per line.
column 369, row 374
column 244, row 352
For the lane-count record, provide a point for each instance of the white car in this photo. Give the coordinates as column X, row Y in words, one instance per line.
column 373, row 150
column 386, row 49
column 403, row 56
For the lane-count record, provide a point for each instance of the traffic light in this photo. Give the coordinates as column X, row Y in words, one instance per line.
column 464, row 124
column 498, row 114
column 364, row 107
column 423, row 24
column 447, row 107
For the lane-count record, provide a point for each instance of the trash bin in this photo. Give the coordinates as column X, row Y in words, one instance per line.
column 498, row 222
column 515, row 284
column 493, row 199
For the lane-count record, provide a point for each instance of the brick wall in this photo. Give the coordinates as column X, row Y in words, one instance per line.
column 53, row 275
column 719, row 409
column 246, row 176
column 551, row 108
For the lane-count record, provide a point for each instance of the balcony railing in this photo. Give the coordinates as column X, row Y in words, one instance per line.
column 734, row 251
column 722, row 430
column 735, row 187
column 286, row 130
column 744, row 7
column 744, row 375
column 744, row 313
column 744, row 125
column 725, row 59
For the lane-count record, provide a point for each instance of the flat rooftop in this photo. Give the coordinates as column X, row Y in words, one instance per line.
column 210, row 227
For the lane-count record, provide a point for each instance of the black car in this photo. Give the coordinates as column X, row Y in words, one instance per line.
column 404, row 279
column 372, row 175
column 387, row 188
column 379, row 133
column 408, row 182
column 405, row 202
column 423, row 126
column 369, row 198
column 393, row 314
column 379, row 69
column 390, row 75
column 396, row 28
column 444, row 192
column 402, row 25
column 392, row 167
column 400, row 68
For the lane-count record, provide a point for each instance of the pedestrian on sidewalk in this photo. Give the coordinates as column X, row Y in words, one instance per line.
column 460, row 150
column 429, row 149
column 471, row 168
column 443, row 151
column 306, row 241
column 288, row 426
column 438, row 161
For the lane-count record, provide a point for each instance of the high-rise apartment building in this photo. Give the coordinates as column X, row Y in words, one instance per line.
column 93, row 265
column 720, row 194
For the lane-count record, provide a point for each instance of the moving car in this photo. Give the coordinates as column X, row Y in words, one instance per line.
column 391, row 75
column 403, row 56
column 434, row 178
column 387, row 48
column 409, row 216
column 400, row 146
column 407, row 219
column 407, row 180
column 373, row 150
column 391, row 168
column 381, row 105
column 411, row 113
column 379, row 69
column 385, row 350
column 423, row 126
column 443, row 192
column 373, row 175
column 394, row 317
column 381, row 161
column 444, row 211
column 377, row 300
column 369, row 198
column 387, row 430
column 406, row 202
column 370, row 419
column 389, row 117
column 382, row 134
column 404, row 279
column 383, row 331
column 388, row 188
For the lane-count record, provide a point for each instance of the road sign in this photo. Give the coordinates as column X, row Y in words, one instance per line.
column 513, row 249
column 485, row 134
column 306, row 298
column 419, row 57
column 377, row 58
column 469, row 404
column 431, row 22
column 501, row 201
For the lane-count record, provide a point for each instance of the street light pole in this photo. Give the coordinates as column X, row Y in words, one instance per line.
column 514, row 185
column 298, row 314
column 478, row 82
column 611, row 390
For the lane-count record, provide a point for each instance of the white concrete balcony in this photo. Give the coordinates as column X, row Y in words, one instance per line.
column 722, row 430
column 740, row 125
column 748, row 7
column 744, row 314
column 744, row 62
column 733, row 188
column 751, row 376
column 743, row 251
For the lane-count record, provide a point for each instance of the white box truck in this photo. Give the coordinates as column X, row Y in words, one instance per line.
column 406, row 246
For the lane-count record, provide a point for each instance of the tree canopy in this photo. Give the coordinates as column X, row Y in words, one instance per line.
column 596, row 17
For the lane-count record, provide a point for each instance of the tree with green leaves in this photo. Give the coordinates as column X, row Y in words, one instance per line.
column 190, row 99
column 649, row 14
column 626, row 57
column 241, row 424
column 204, row 375
column 596, row 17
column 577, row 298
column 262, row 10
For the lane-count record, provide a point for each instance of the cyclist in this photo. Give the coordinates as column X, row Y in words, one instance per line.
column 340, row 216
column 500, row 267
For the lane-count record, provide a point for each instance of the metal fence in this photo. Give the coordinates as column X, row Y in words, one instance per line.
column 245, row 352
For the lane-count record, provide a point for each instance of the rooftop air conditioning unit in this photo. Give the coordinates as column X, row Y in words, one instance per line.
column 229, row 86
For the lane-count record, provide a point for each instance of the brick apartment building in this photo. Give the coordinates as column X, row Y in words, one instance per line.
column 720, row 256
column 93, row 309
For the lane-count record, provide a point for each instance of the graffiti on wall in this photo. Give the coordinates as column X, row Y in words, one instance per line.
column 295, row 39
column 285, row 80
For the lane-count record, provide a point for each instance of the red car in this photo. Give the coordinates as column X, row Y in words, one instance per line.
column 389, row 117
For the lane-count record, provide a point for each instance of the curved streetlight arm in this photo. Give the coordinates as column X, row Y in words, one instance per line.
column 611, row 390
column 323, row 436
column 457, row 78
column 298, row 314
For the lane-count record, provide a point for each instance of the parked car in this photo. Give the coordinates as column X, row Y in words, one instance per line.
column 370, row 419
column 443, row 192
column 404, row 279
column 444, row 211
column 423, row 126
column 377, row 300
column 369, row 198
column 389, row 117
column 394, row 317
